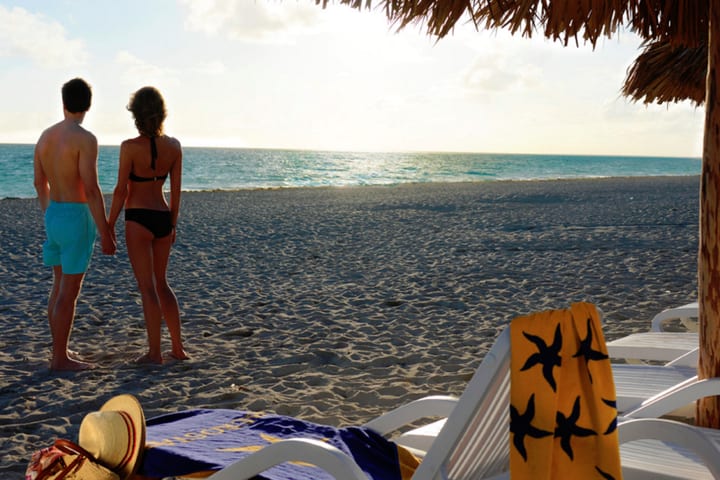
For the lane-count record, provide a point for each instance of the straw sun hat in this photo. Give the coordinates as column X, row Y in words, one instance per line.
column 115, row 435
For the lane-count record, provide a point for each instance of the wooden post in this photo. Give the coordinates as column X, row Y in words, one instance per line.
column 708, row 409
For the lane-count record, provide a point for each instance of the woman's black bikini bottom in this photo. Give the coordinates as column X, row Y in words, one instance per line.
column 159, row 222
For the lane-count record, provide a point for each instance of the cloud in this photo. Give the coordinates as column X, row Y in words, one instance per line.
column 211, row 68
column 136, row 70
column 250, row 20
column 490, row 74
column 24, row 34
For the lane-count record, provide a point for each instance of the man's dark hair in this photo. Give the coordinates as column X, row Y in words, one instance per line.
column 76, row 96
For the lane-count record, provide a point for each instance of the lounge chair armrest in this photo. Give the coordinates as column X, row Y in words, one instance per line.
column 318, row 453
column 432, row 406
column 696, row 439
column 677, row 397
column 690, row 359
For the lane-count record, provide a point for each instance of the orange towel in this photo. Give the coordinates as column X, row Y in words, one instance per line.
column 563, row 416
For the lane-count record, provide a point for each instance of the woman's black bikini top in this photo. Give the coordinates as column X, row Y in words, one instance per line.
column 153, row 155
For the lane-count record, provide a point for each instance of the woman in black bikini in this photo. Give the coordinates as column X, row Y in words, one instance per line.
column 145, row 163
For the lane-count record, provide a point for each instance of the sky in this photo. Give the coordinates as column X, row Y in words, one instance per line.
column 289, row 74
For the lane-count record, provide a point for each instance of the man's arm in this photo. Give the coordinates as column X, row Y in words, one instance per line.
column 87, row 167
column 42, row 186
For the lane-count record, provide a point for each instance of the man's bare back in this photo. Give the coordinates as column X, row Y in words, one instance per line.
column 63, row 151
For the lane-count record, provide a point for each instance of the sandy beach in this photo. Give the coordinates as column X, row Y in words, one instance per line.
column 337, row 304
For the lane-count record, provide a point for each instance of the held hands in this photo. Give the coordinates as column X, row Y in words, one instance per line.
column 108, row 241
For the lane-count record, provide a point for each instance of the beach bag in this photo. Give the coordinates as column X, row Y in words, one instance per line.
column 66, row 461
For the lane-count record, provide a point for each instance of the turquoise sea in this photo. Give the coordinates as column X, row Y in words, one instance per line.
column 240, row 168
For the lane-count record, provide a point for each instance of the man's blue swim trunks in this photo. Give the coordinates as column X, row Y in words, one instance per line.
column 70, row 236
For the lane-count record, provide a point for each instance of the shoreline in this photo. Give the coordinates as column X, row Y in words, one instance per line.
column 335, row 304
column 411, row 184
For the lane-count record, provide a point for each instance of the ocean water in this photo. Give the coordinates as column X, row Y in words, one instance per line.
column 237, row 168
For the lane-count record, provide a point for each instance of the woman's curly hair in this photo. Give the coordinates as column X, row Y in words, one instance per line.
column 148, row 107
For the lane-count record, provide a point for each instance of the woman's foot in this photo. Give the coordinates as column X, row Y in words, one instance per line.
column 73, row 355
column 178, row 355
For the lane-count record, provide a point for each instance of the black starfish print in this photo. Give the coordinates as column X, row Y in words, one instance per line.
column 548, row 356
column 520, row 426
column 613, row 425
column 605, row 475
column 566, row 427
column 587, row 351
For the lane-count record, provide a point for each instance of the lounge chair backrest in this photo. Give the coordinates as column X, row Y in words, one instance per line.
column 475, row 443
column 683, row 313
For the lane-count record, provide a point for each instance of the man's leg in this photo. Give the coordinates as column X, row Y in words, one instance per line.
column 57, row 278
column 61, row 319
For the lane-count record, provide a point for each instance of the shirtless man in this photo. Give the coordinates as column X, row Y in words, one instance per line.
column 67, row 186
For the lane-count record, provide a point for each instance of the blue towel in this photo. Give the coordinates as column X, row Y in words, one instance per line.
column 204, row 440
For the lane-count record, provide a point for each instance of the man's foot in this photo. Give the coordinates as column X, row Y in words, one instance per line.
column 147, row 359
column 70, row 365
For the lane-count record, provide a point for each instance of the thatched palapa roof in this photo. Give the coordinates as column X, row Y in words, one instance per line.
column 680, row 22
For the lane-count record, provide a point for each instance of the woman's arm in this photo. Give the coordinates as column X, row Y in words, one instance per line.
column 176, row 184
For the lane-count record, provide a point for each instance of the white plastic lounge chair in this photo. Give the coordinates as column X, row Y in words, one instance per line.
column 669, row 347
column 685, row 314
column 659, row 345
column 681, row 395
column 634, row 386
column 659, row 449
column 662, row 449
column 687, row 454
column 473, row 443
column 670, row 449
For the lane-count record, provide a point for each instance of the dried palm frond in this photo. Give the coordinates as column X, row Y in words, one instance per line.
column 663, row 73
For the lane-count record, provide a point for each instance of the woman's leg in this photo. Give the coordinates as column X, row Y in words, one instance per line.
column 140, row 250
column 168, row 300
